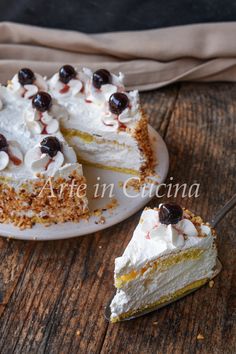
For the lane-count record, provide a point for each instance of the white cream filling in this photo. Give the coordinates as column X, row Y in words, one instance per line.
column 113, row 155
column 148, row 288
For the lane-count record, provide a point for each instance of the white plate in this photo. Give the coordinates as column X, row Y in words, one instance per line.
column 127, row 206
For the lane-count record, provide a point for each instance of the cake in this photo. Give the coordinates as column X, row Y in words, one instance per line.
column 49, row 128
column 106, row 125
column 171, row 252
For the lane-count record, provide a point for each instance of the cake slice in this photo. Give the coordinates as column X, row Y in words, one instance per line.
column 39, row 173
column 106, row 124
column 171, row 252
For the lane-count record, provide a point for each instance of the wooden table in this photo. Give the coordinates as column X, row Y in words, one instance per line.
column 52, row 294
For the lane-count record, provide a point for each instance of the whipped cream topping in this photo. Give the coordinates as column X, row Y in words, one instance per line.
column 59, row 89
column 12, row 156
column 167, row 236
column 27, row 91
column 101, row 96
column 89, row 109
column 39, row 162
column 129, row 116
column 44, row 122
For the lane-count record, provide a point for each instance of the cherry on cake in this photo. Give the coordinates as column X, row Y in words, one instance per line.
column 26, row 83
column 171, row 252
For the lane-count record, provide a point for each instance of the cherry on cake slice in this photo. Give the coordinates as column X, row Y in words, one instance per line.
column 39, row 172
column 106, row 124
column 172, row 251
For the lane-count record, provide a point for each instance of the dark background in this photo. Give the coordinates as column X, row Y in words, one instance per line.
column 115, row 15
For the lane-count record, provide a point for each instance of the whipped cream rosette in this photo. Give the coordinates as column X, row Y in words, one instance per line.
column 122, row 110
column 43, row 117
column 26, row 83
column 169, row 236
column 67, row 82
column 10, row 153
column 49, row 156
column 101, row 84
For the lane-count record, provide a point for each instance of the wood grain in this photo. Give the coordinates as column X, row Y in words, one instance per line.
column 52, row 294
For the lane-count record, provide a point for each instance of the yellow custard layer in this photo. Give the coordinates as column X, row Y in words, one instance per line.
column 112, row 168
column 88, row 138
column 160, row 264
column 70, row 133
column 171, row 297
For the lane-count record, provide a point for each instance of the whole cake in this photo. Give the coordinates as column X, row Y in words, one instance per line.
column 48, row 128
column 172, row 251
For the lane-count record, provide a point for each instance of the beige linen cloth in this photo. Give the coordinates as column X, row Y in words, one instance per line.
column 150, row 58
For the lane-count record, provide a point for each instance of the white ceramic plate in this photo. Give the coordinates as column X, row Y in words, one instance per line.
column 126, row 207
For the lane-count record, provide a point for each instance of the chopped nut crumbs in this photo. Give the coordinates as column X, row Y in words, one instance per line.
column 102, row 220
column 37, row 199
column 200, row 337
column 211, row 283
column 120, row 184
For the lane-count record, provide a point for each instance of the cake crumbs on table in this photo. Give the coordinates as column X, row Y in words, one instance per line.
column 211, row 283
column 78, row 332
column 200, row 336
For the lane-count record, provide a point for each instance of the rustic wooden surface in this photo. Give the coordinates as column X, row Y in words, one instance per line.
column 52, row 294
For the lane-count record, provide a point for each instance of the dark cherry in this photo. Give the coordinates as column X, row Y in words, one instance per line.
column 26, row 76
column 42, row 101
column 66, row 73
column 170, row 213
column 50, row 145
column 118, row 102
column 3, row 143
column 101, row 77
